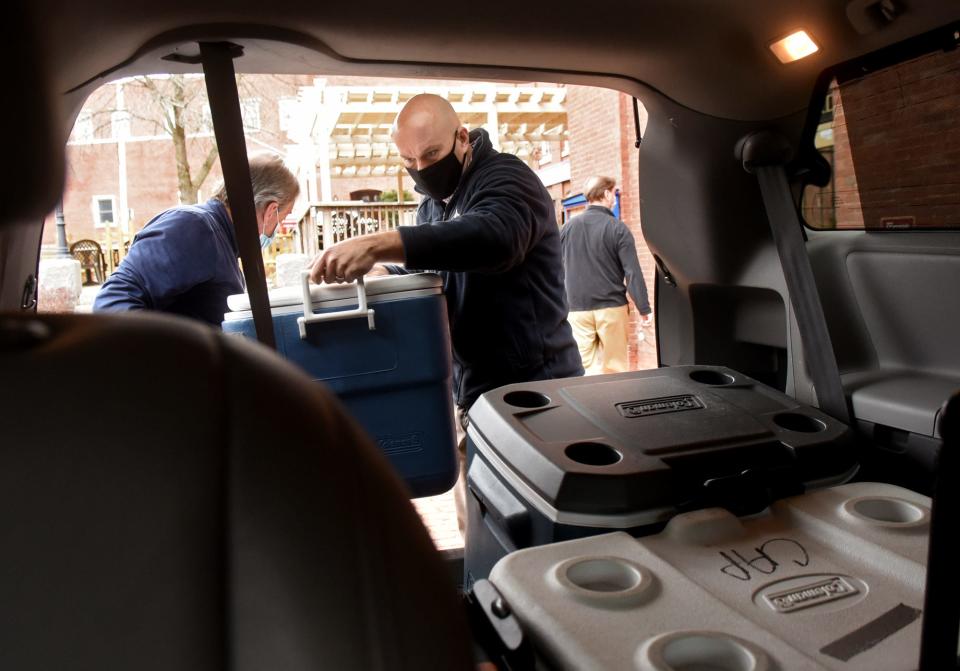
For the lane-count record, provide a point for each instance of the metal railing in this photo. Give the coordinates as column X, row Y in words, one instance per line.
column 325, row 224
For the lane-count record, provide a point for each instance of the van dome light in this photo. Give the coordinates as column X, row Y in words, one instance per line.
column 794, row 46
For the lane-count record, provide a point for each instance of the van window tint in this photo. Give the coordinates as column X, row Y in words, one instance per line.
column 893, row 140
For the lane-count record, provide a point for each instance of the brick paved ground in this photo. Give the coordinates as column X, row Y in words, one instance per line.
column 87, row 295
column 440, row 517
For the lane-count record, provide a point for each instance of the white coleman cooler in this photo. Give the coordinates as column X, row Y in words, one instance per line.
column 832, row 579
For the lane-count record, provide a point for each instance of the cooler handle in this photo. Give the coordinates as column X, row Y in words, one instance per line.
column 310, row 317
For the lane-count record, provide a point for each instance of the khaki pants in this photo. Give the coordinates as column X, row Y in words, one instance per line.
column 602, row 338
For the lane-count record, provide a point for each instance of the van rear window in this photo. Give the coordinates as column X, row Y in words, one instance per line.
column 892, row 138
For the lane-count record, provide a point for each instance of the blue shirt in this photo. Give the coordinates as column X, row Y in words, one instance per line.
column 184, row 261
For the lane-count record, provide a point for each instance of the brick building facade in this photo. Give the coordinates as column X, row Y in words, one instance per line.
column 892, row 140
column 905, row 143
column 121, row 165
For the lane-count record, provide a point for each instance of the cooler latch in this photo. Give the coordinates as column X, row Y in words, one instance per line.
column 497, row 633
column 746, row 492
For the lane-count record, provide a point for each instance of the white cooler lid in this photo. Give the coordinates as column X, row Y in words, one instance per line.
column 378, row 288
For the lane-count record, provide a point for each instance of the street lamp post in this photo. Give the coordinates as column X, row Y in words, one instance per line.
column 63, row 251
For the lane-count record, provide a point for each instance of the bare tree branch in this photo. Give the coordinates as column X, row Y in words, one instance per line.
column 177, row 106
column 206, row 166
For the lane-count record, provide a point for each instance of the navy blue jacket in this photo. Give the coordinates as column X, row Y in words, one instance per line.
column 184, row 261
column 497, row 246
column 598, row 254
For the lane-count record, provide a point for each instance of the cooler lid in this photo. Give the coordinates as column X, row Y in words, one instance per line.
column 379, row 288
column 655, row 439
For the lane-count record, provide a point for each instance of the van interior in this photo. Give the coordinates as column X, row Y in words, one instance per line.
column 204, row 532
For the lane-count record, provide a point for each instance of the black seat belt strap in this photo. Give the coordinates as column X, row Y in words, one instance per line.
column 217, row 59
column 765, row 154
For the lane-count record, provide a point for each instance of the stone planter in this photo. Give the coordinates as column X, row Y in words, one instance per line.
column 59, row 285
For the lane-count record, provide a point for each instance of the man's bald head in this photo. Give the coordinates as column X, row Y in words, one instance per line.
column 424, row 131
column 427, row 110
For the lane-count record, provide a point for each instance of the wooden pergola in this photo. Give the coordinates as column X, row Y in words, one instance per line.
column 349, row 126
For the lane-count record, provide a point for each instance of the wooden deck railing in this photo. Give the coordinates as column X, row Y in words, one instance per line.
column 325, row 224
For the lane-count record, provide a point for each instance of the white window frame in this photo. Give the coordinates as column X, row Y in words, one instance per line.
column 95, row 210
column 120, row 124
column 286, row 111
column 83, row 128
column 546, row 153
column 250, row 113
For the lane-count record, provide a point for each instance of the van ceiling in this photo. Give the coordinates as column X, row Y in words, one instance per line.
column 710, row 56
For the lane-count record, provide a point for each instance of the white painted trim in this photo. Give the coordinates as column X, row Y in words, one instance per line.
column 95, row 209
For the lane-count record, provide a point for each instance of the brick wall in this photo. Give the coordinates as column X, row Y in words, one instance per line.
column 602, row 138
column 93, row 169
column 904, row 142
column 846, row 194
column 644, row 350
column 593, row 117
column 342, row 186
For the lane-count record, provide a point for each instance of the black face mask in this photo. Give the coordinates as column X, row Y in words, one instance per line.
column 440, row 179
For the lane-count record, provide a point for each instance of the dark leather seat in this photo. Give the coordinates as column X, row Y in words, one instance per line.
column 225, row 514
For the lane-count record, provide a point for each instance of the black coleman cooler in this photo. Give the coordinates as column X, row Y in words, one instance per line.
column 562, row 459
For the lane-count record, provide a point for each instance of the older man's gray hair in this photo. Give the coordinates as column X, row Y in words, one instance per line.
column 271, row 180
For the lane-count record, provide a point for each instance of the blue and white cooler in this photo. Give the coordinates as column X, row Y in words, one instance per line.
column 382, row 345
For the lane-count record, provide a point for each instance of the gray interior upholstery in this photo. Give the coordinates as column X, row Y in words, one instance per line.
column 728, row 303
column 172, row 498
column 894, row 317
column 898, row 398
column 919, row 287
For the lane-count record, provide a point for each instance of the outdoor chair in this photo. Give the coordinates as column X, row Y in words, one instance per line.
column 90, row 255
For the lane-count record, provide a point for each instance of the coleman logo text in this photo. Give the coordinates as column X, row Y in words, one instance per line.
column 659, row 406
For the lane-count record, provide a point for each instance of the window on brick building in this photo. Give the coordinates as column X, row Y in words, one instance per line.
column 104, row 208
column 119, row 124
column 250, row 112
column 892, row 139
column 286, row 109
column 83, row 128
